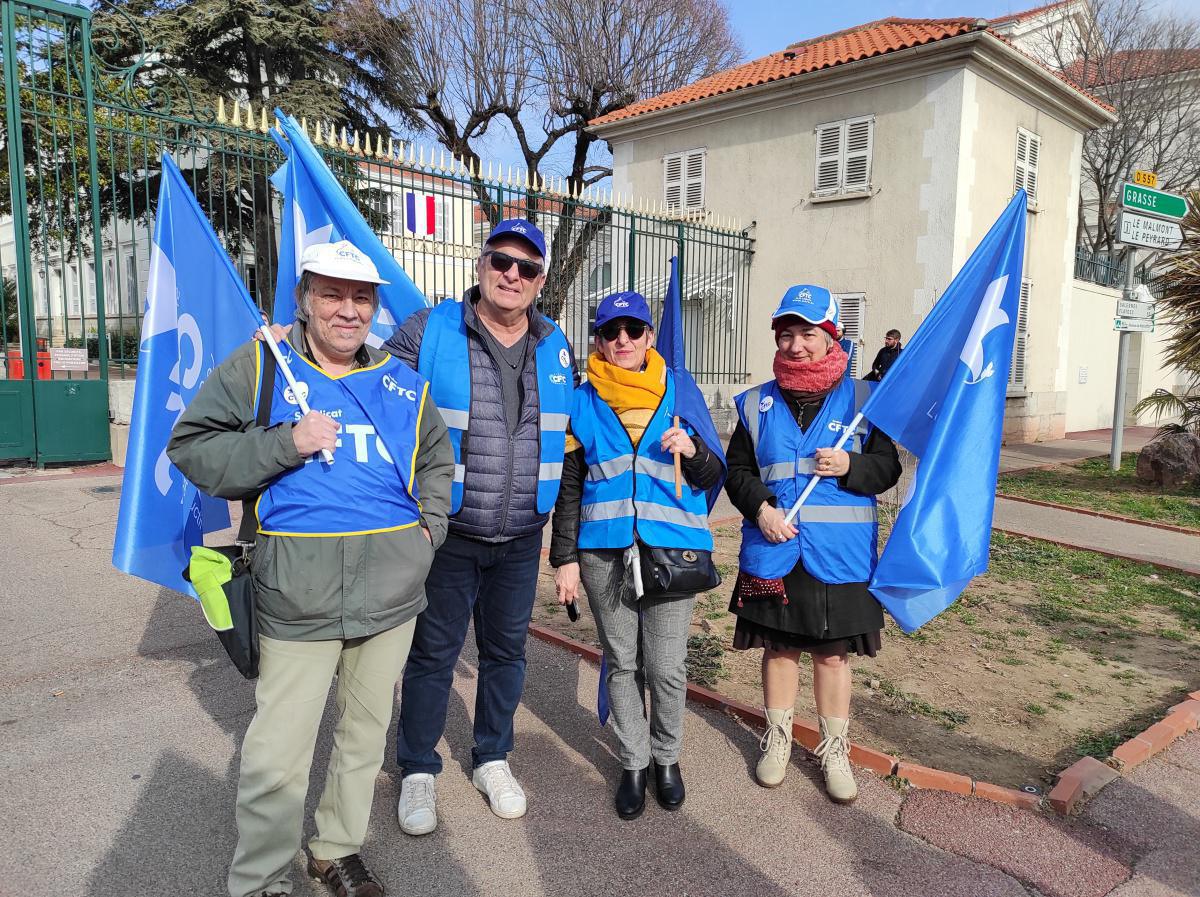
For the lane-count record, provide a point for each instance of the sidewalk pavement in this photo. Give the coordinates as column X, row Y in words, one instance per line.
column 120, row 722
column 1138, row 541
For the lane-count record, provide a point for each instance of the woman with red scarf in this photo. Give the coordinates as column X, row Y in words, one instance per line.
column 802, row 586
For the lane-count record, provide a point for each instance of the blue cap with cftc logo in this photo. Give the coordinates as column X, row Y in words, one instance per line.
column 810, row 303
column 623, row 305
column 519, row 227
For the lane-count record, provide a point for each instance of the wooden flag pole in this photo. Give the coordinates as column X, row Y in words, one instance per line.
column 678, row 468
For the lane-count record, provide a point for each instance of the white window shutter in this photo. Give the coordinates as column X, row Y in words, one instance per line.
column 1031, row 167
column 859, row 139
column 829, row 157
column 673, row 181
column 852, row 309
column 1029, row 147
column 694, row 180
column 1016, row 371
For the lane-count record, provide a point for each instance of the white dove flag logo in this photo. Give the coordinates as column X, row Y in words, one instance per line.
column 988, row 318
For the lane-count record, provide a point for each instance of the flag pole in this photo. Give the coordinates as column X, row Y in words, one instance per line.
column 301, row 400
column 678, row 468
column 812, row 483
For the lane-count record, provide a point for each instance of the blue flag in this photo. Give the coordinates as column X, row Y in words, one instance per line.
column 943, row 400
column 689, row 400
column 317, row 210
column 197, row 312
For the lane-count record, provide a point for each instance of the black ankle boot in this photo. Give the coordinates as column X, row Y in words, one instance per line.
column 631, row 793
column 668, row 786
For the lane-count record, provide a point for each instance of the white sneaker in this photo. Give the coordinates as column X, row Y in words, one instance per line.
column 417, row 809
column 505, row 796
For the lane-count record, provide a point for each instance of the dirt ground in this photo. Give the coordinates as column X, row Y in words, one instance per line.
column 1052, row 655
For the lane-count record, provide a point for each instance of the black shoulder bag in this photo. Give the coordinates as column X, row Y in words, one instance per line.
column 221, row 574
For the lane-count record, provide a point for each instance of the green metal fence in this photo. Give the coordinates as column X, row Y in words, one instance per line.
column 84, row 132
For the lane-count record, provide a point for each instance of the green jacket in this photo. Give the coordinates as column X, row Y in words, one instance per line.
column 312, row 589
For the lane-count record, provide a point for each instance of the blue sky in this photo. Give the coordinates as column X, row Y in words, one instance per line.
column 765, row 26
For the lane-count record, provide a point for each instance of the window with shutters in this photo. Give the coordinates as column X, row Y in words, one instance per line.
column 843, row 154
column 1029, row 148
column 851, row 308
column 1016, row 371
column 683, row 180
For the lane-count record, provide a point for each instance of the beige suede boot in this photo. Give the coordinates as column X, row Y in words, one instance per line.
column 776, row 746
column 834, row 753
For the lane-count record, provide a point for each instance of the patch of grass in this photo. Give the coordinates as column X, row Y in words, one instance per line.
column 1020, row 633
column 1100, row 745
column 704, row 654
column 1064, row 696
column 1172, row 635
column 1090, row 484
column 1127, row 676
column 1035, row 709
column 1012, row 660
column 911, row 704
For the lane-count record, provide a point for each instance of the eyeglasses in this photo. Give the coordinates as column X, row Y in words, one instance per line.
column 502, row 261
column 610, row 331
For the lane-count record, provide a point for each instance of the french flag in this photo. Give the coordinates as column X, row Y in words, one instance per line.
column 420, row 213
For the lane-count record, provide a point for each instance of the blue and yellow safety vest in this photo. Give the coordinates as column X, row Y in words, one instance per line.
column 630, row 490
column 370, row 486
column 837, row 538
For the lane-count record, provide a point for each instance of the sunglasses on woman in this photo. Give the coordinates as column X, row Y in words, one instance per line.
column 610, row 331
column 502, row 261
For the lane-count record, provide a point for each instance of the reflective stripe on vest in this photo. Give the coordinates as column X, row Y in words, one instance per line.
column 445, row 360
column 836, row 529
column 369, row 487
column 628, row 490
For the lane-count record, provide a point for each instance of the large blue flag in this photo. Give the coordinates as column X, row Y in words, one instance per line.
column 689, row 400
column 317, row 210
column 197, row 312
column 943, row 400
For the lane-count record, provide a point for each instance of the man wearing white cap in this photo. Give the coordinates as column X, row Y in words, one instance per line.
column 339, row 564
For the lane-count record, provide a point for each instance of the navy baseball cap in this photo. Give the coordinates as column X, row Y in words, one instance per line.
column 623, row 305
column 519, row 227
column 810, row 303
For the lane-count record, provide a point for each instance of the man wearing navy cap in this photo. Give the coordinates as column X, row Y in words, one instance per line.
column 502, row 375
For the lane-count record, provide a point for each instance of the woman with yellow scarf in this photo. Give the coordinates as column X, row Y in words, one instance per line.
column 619, row 496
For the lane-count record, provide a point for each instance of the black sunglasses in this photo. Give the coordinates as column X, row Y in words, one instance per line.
column 610, row 331
column 502, row 261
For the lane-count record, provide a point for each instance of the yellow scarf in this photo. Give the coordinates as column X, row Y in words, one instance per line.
column 632, row 395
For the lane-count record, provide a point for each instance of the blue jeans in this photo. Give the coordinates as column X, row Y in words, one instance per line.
column 494, row 584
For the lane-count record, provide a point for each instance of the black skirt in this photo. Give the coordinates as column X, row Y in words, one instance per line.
column 809, row 615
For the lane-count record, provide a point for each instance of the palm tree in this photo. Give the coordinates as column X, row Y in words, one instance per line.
column 1180, row 307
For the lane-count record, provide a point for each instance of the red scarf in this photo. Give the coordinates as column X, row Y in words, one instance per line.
column 807, row 378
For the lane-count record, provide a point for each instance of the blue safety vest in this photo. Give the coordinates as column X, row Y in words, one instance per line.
column 628, row 490
column 837, row 538
column 370, row 486
column 445, row 361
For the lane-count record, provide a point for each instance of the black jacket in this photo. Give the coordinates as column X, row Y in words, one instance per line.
column 814, row 609
column 884, row 359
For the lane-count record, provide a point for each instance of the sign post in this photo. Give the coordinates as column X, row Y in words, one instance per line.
column 1149, row 218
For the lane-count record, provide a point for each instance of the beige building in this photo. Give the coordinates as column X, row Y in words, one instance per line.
column 872, row 161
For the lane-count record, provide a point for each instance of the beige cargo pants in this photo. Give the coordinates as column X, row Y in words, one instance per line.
column 293, row 685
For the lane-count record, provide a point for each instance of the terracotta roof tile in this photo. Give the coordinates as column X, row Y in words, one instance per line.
column 1131, row 65
column 864, row 42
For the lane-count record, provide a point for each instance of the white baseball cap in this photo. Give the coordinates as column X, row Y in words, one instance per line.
column 342, row 259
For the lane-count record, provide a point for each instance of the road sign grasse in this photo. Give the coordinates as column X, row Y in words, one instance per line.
column 1156, row 202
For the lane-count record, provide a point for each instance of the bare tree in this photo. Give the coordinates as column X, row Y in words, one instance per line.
column 539, row 73
column 1147, row 67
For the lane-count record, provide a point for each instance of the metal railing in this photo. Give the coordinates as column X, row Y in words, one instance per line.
column 433, row 214
column 1108, row 270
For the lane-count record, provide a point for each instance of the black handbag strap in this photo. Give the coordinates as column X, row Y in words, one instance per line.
column 266, row 395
